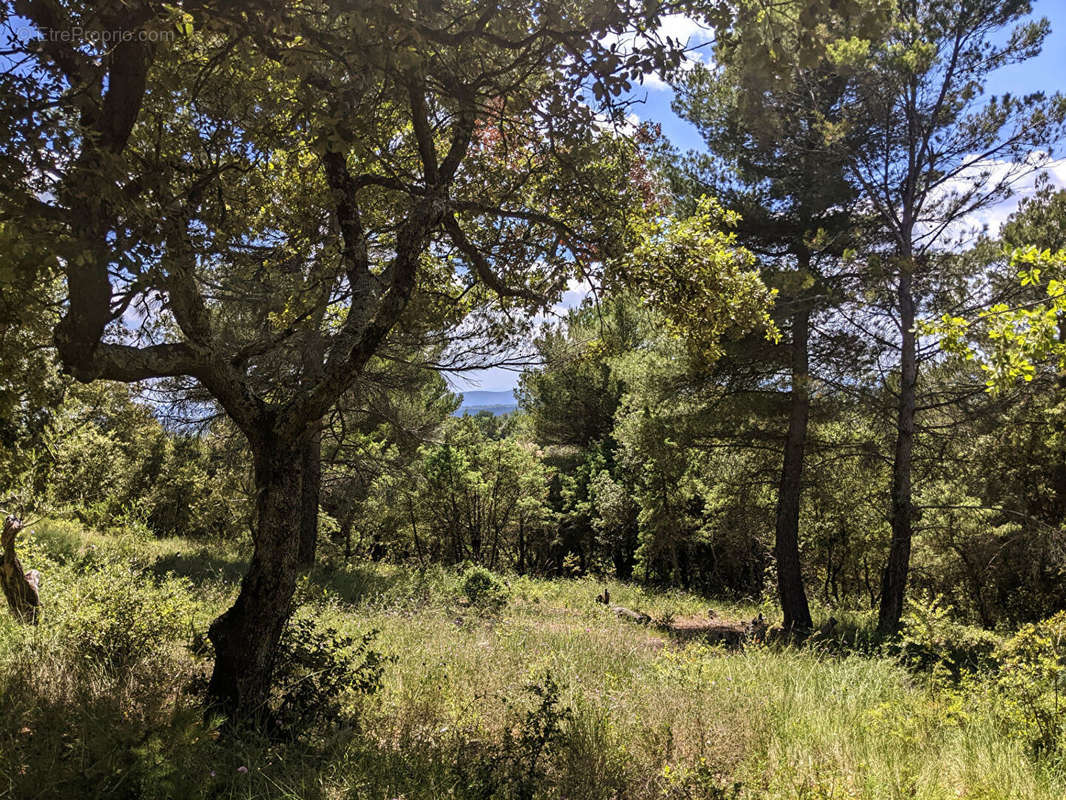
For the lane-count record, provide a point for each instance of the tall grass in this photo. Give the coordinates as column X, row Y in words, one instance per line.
column 103, row 698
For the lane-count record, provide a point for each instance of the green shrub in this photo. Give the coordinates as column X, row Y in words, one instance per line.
column 116, row 617
column 932, row 641
column 1032, row 680
column 483, row 589
column 316, row 668
column 50, row 542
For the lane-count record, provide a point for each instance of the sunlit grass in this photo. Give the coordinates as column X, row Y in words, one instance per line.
column 647, row 716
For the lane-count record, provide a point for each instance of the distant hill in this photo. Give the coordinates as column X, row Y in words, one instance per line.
column 496, row 403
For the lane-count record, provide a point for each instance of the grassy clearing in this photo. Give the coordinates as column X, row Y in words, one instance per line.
column 101, row 700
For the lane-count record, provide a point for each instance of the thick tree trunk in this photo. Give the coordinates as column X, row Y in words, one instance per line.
column 794, row 607
column 310, row 491
column 20, row 587
column 246, row 636
column 894, row 582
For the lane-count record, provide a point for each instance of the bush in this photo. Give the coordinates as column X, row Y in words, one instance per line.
column 50, row 543
column 483, row 589
column 1032, row 680
column 316, row 667
column 118, row 618
column 932, row 641
column 700, row 780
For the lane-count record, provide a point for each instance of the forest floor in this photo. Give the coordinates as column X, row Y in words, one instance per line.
column 549, row 695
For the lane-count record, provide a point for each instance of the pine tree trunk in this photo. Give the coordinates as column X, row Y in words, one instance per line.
column 246, row 636
column 794, row 607
column 894, row 583
column 310, row 491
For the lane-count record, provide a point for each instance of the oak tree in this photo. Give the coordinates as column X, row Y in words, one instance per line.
column 256, row 200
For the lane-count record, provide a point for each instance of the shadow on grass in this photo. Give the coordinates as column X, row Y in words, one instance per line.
column 78, row 729
column 352, row 584
column 115, row 736
column 356, row 584
column 92, row 745
column 727, row 637
column 853, row 635
column 201, row 567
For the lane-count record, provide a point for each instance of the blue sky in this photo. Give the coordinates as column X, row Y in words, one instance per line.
column 1046, row 72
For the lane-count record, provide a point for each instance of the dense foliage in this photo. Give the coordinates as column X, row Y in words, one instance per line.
column 246, row 252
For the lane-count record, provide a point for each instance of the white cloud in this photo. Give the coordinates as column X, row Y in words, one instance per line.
column 993, row 217
column 1023, row 179
column 695, row 35
column 575, row 294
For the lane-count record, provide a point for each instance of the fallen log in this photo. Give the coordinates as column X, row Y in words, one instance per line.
column 714, row 631
column 638, row 617
column 20, row 588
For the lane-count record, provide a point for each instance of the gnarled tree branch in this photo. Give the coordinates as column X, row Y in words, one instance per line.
column 483, row 269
